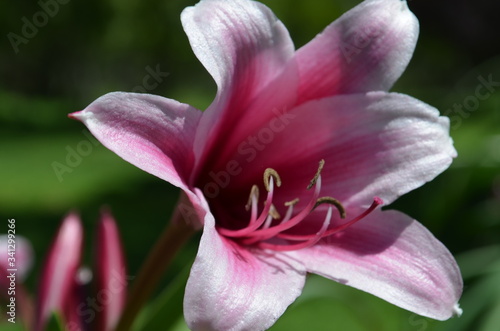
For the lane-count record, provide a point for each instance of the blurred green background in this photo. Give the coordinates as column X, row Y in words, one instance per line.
column 88, row 48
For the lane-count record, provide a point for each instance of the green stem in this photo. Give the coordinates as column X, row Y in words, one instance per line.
column 175, row 235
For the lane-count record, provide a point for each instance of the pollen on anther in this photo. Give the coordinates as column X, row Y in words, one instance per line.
column 334, row 202
column 267, row 174
column 254, row 192
column 292, row 203
column 274, row 212
column 316, row 176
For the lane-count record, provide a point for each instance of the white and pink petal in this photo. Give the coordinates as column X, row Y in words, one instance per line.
column 394, row 257
column 236, row 288
column 366, row 49
column 57, row 283
column 375, row 144
column 151, row 132
column 245, row 48
column 110, row 272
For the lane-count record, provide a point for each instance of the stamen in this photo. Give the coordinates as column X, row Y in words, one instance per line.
column 292, row 203
column 289, row 212
column 266, row 234
column 263, row 234
column 268, row 173
column 332, row 201
column 254, row 194
column 268, row 221
column 307, row 243
column 253, row 225
column 316, row 176
column 274, row 213
column 255, row 210
column 376, row 202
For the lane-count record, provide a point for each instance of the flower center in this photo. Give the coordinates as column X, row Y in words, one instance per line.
column 269, row 230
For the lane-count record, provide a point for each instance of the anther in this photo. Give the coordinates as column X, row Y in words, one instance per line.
column 292, row 203
column 376, row 202
column 316, row 176
column 274, row 212
column 267, row 174
column 332, row 201
column 254, row 192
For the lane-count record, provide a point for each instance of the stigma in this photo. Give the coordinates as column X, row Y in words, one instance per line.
column 268, row 230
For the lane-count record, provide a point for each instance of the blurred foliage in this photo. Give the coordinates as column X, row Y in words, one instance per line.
column 89, row 48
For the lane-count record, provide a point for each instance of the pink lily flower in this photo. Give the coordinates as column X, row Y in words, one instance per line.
column 58, row 277
column 110, row 273
column 61, row 287
column 278, row 113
